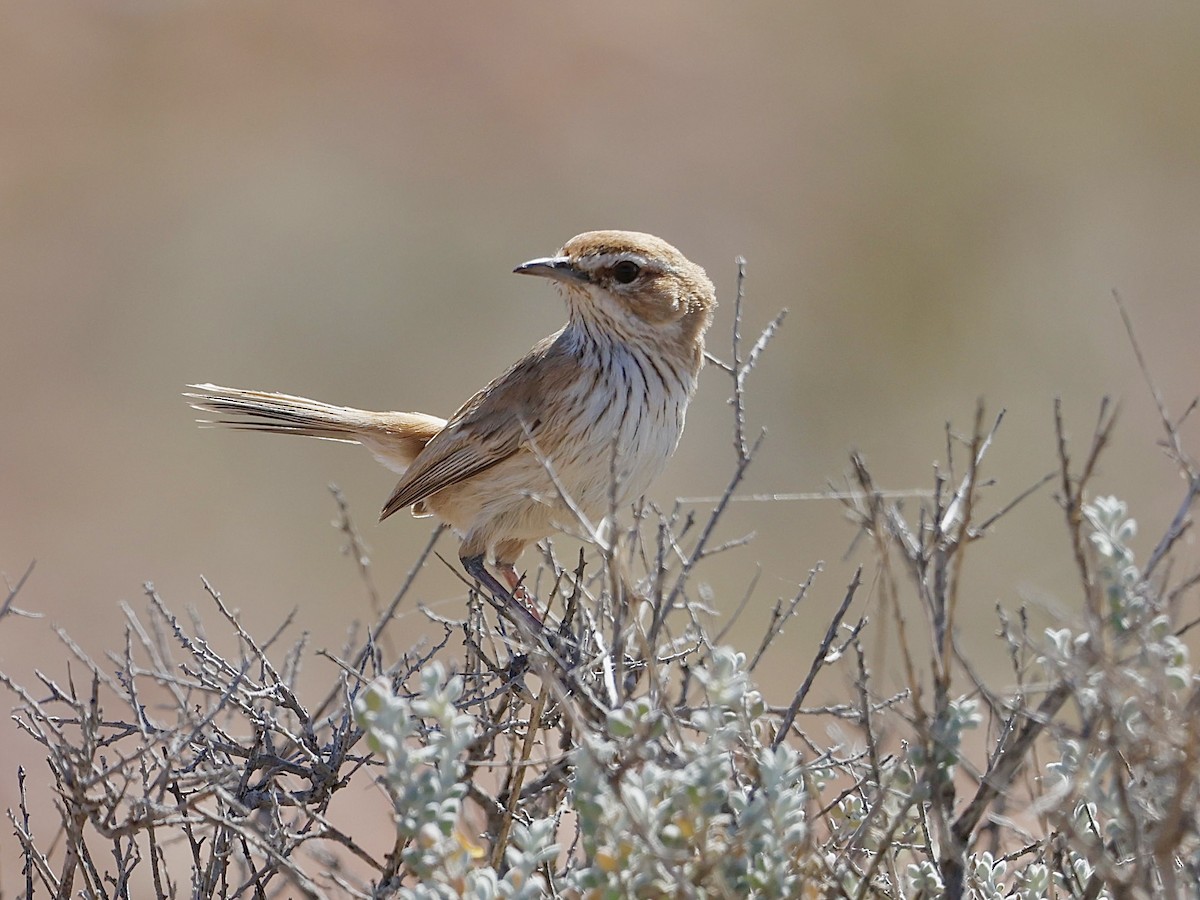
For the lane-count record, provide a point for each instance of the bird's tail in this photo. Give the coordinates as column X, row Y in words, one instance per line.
column 394, row 437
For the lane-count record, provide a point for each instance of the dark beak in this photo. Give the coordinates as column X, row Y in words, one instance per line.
column 560, row 268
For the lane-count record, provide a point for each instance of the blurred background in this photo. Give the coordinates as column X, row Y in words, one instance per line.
column 328, row 199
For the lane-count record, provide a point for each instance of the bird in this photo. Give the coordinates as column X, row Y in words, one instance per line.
column 588, row 417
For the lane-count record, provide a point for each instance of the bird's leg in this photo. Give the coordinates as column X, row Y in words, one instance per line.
column 516, row 585
column 476, row 567
column 506, row 553
column 561, row 641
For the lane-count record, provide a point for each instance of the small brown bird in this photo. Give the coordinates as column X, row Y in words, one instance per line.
column 619, row 375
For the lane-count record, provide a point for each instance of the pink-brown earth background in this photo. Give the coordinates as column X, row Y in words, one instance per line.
column 327, row 199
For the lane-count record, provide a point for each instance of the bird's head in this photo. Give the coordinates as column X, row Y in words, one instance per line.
column 635, row 286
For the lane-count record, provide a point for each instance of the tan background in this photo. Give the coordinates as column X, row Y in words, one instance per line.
column 327, row 198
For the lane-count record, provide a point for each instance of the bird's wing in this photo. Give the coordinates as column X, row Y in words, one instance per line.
column 488, row 429
column 453, row 456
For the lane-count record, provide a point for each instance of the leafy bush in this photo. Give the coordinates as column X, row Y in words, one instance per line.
column 627, row 752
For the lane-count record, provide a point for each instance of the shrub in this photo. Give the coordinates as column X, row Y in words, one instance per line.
column 627, row 752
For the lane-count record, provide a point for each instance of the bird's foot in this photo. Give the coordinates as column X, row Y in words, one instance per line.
column 520, row 606
column 518, row 591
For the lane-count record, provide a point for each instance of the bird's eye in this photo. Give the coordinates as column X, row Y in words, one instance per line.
column 625, row 271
